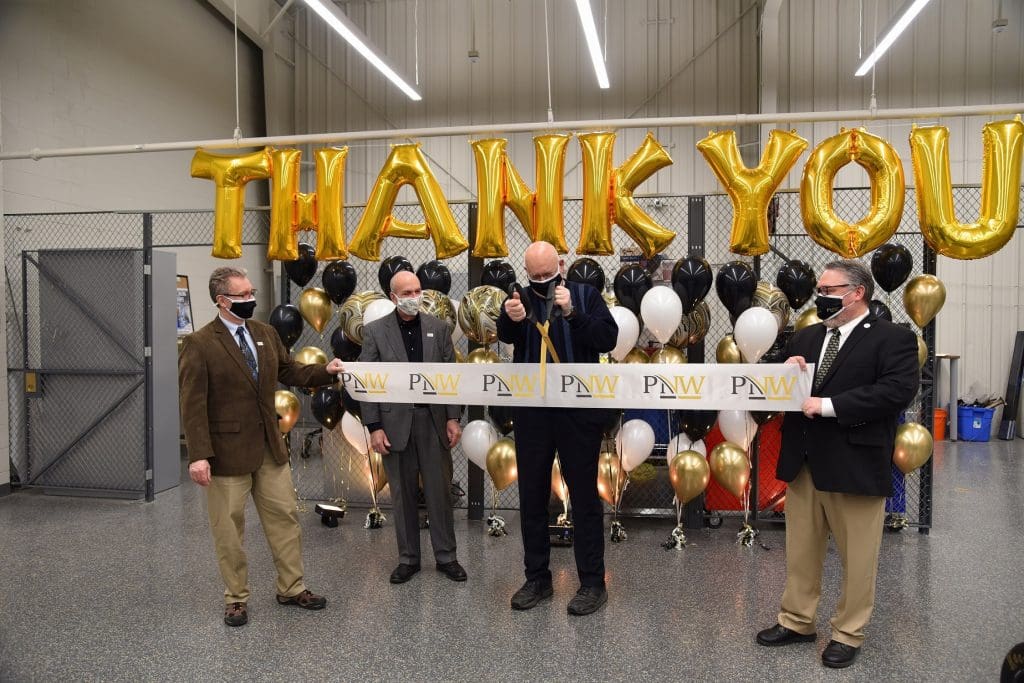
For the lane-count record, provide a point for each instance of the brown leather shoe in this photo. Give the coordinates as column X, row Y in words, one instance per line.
column 235, row 614
column 305, row 600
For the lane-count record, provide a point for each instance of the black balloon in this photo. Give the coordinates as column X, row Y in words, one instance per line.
column 763, row 416
column 339, row 278
column 287, row 321
column 498, row 274
column 388, row 268
column 586, row 271
column 691, row 279
column 435, row 275
column 301, row 270
column 880, row 310
column 612, row 420
column 695, row 423
column 630, row 285
column 735, row 286
column 343, row 347
column 327, row 407
column 502, row 418
column 351, row 405
column 797, row 281
column 891, row 265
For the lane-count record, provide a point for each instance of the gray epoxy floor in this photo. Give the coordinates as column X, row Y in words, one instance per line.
column 112, row 590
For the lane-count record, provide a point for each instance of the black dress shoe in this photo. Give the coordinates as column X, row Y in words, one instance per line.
column 235, row 614
column 780, row 635
column 404, row 572
column 453, row 570
column 588, row 599
column 838, row 655
column 531, row 594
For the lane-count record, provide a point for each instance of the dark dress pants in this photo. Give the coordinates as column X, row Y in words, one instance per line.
column 576, row 435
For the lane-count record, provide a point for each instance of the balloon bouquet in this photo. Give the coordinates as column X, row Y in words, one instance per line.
column 688, row 472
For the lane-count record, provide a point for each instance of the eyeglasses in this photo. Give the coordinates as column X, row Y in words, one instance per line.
column 242, row 295
column 827, row 290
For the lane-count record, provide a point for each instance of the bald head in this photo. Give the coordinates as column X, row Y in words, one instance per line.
column 541, row 261
column 405, row 284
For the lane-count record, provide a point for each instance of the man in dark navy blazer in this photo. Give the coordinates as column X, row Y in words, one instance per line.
column 837, row 457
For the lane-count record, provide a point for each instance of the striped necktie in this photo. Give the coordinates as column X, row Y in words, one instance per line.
column 831, row 351
column 250, row 359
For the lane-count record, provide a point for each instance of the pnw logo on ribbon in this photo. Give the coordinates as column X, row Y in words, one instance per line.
column 581, row 385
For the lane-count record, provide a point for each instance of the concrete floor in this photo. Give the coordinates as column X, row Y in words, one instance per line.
column 111, row 590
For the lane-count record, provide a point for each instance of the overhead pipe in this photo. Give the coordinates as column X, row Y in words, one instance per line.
column 714, row 121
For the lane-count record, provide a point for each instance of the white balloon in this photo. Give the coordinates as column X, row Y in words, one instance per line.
column 477, row 439
column 355, row 433
column 377, row 310
column 737, row 426
column 681, row 442
column 755, row 332
column 661, row 311
column 634, row 443
column 629, row 331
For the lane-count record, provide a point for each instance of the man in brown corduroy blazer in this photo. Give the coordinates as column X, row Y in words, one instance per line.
column 228, row 372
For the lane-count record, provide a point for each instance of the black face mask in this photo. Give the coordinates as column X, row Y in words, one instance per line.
column 828, row 306
column 542, row 287
column 243, row 309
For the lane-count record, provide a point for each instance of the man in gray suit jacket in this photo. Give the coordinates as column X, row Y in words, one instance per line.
column 415, row 439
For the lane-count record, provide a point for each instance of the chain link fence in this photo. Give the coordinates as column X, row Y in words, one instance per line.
column 325, row 466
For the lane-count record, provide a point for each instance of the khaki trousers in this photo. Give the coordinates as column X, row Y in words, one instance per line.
column 274, row 496
column 856, row 525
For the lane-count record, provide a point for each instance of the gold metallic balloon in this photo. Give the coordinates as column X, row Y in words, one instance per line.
column 913, row 447
column 459, row 356
column 351, row 315
column 698, row 322
column 230, row 175
column 1002, row 149
column 322, row 211
column 806, row 319
column 608, row 195
column 727, row 351
column 751, row 189
column 501, row 463
column 636, row 356
column 923, row 298
column 482, row 355
column 689, row 473
column 730, row 467
column 375, row 471
column 310, row 355
column 478, row 313
column 440, row 306
column 499, row 185
column 558, row 485
column 667, row 354
column 610, row 478
column 767, row 295
column 406, row 165
column 922, row 352
column 286, row 405
column 315, row 307
column 885, row 172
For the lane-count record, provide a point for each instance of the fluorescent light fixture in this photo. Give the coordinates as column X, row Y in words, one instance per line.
column 590, row 31
column 354, row 37
column 903, row 18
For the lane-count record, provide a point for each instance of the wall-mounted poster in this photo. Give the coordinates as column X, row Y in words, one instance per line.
column 184, row 307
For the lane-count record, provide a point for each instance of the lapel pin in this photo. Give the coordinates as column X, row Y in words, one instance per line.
column 430, row 334
column 259, row 343
column 867, row 325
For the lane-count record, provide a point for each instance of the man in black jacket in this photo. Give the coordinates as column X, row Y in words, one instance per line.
column 837, row 454
column 577, row 322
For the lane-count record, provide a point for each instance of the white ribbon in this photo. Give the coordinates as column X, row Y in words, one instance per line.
column 769, row 387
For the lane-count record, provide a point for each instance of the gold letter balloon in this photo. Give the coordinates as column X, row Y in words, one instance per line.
column 608, row 195
column 230, row 174
column 751, row 189
column 322, row 211
column 406, row 165
column 885, row 172
column 1002, row 145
